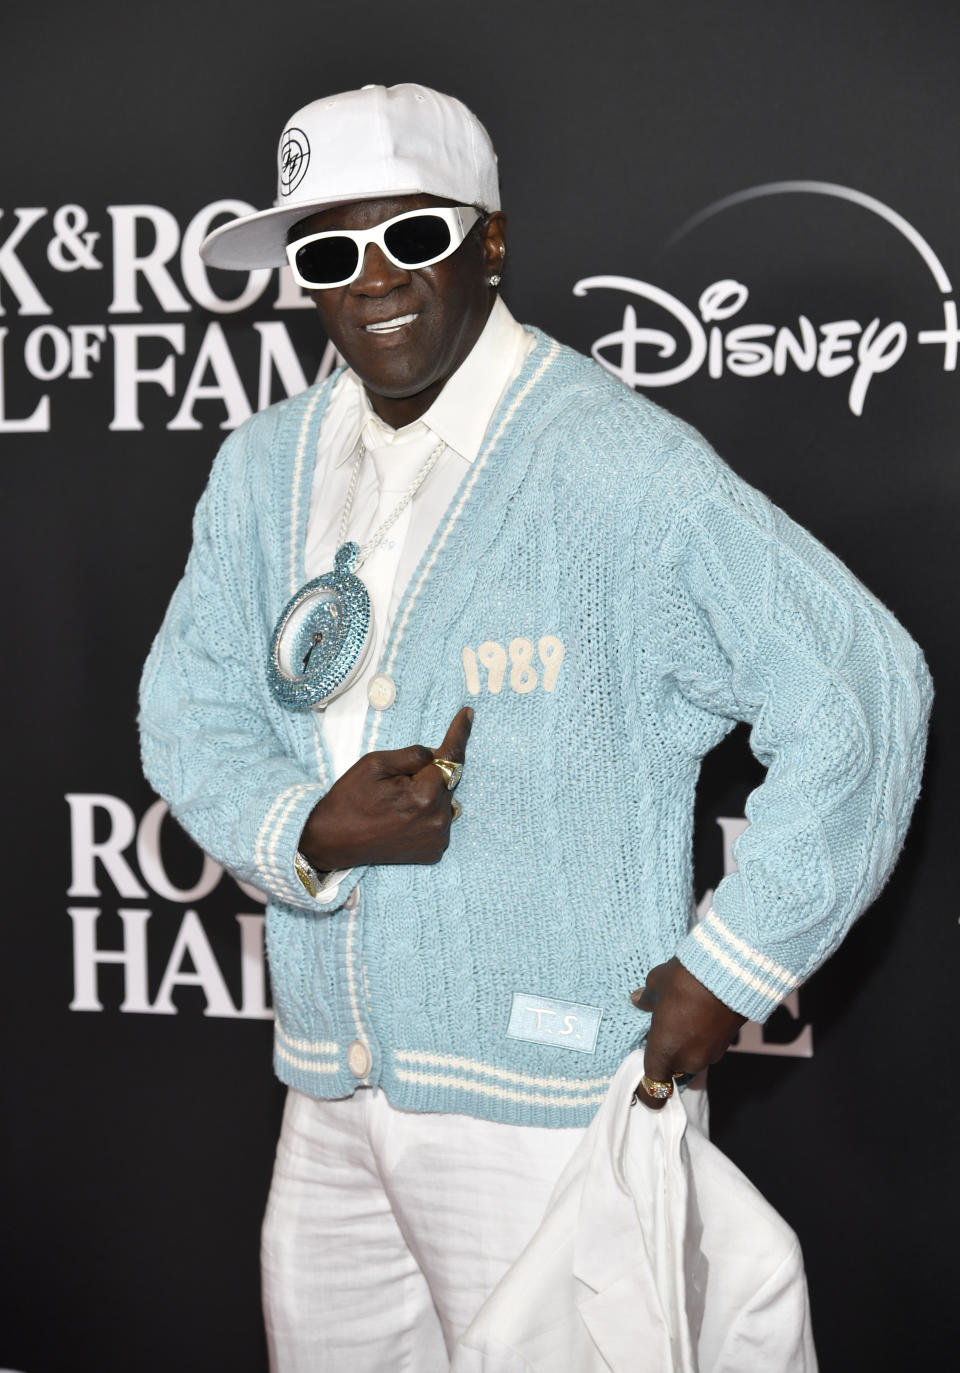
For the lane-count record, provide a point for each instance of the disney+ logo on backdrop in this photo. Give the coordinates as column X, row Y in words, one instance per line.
column 718, row 335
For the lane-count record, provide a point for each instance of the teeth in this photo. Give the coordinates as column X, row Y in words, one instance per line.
column 387, row 326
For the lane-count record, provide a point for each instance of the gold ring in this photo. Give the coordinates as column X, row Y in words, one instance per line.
column 660, row 1091
column 456, row 810
column 452, row 771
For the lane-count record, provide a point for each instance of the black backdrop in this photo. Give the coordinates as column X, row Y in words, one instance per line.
column 139, row 1113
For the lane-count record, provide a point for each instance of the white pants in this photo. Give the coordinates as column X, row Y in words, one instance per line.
column 386, row 1230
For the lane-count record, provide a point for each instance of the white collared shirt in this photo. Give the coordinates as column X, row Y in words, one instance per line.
column 459, row 418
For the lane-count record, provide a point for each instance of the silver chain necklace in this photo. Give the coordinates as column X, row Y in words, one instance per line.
column 376, row 538
column 325, row 633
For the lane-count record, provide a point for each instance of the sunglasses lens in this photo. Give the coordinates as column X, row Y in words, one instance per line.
column 418, row 239
column 328, row 260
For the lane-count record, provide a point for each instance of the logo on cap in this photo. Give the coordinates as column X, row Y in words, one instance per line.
column 294, row 159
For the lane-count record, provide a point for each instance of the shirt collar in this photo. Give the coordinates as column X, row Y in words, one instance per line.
column 464, row 408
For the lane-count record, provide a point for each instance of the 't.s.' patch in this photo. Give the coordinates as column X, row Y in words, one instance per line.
column 564, row 1024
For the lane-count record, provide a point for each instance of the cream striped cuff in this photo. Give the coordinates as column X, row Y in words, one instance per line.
column 751, row 967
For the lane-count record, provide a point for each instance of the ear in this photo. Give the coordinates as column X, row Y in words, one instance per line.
column 494, row 242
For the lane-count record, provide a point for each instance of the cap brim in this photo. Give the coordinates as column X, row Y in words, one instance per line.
column 260, row 239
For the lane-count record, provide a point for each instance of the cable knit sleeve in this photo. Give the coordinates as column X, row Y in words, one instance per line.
column 213, row 743
column 770, row 628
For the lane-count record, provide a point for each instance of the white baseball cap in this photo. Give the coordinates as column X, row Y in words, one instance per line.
column 362, row 145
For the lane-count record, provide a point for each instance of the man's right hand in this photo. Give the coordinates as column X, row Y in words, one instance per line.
column 390, row 807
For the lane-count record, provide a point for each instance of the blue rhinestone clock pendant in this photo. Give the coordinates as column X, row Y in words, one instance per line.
column 323, row 636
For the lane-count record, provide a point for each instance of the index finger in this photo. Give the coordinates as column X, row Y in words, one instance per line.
column 454, row 744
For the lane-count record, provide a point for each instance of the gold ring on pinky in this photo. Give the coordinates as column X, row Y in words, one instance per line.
column 660, row 1091
column 452, row 771
column 456, row 810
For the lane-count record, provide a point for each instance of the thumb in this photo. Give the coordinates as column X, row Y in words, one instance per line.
column 645, row 998
column 454, row 744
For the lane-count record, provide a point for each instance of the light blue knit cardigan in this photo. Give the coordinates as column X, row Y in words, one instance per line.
column 610, row 598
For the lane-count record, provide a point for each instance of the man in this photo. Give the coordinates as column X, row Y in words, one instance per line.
column 472, row 526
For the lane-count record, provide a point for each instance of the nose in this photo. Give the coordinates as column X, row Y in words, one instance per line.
column 378, row 275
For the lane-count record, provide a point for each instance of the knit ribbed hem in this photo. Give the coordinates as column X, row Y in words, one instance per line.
column 434, row 1080
column 741, row 976
column 417, row 1081
column 311, row 1062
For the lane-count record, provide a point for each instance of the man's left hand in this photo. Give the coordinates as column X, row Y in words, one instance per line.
column 691, row 1028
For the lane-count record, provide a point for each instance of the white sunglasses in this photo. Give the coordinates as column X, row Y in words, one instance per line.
column 418, row 238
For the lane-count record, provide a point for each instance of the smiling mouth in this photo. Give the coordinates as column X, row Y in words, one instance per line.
column 388, row 326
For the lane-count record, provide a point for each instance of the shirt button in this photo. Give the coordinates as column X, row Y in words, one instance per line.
column 359, row 1060
column 382, row 691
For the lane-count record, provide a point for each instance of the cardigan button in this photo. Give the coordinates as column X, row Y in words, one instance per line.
column 382, row 691
column 359, row 1060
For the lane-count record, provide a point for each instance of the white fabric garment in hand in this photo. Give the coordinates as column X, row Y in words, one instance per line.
column 656, row 1255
